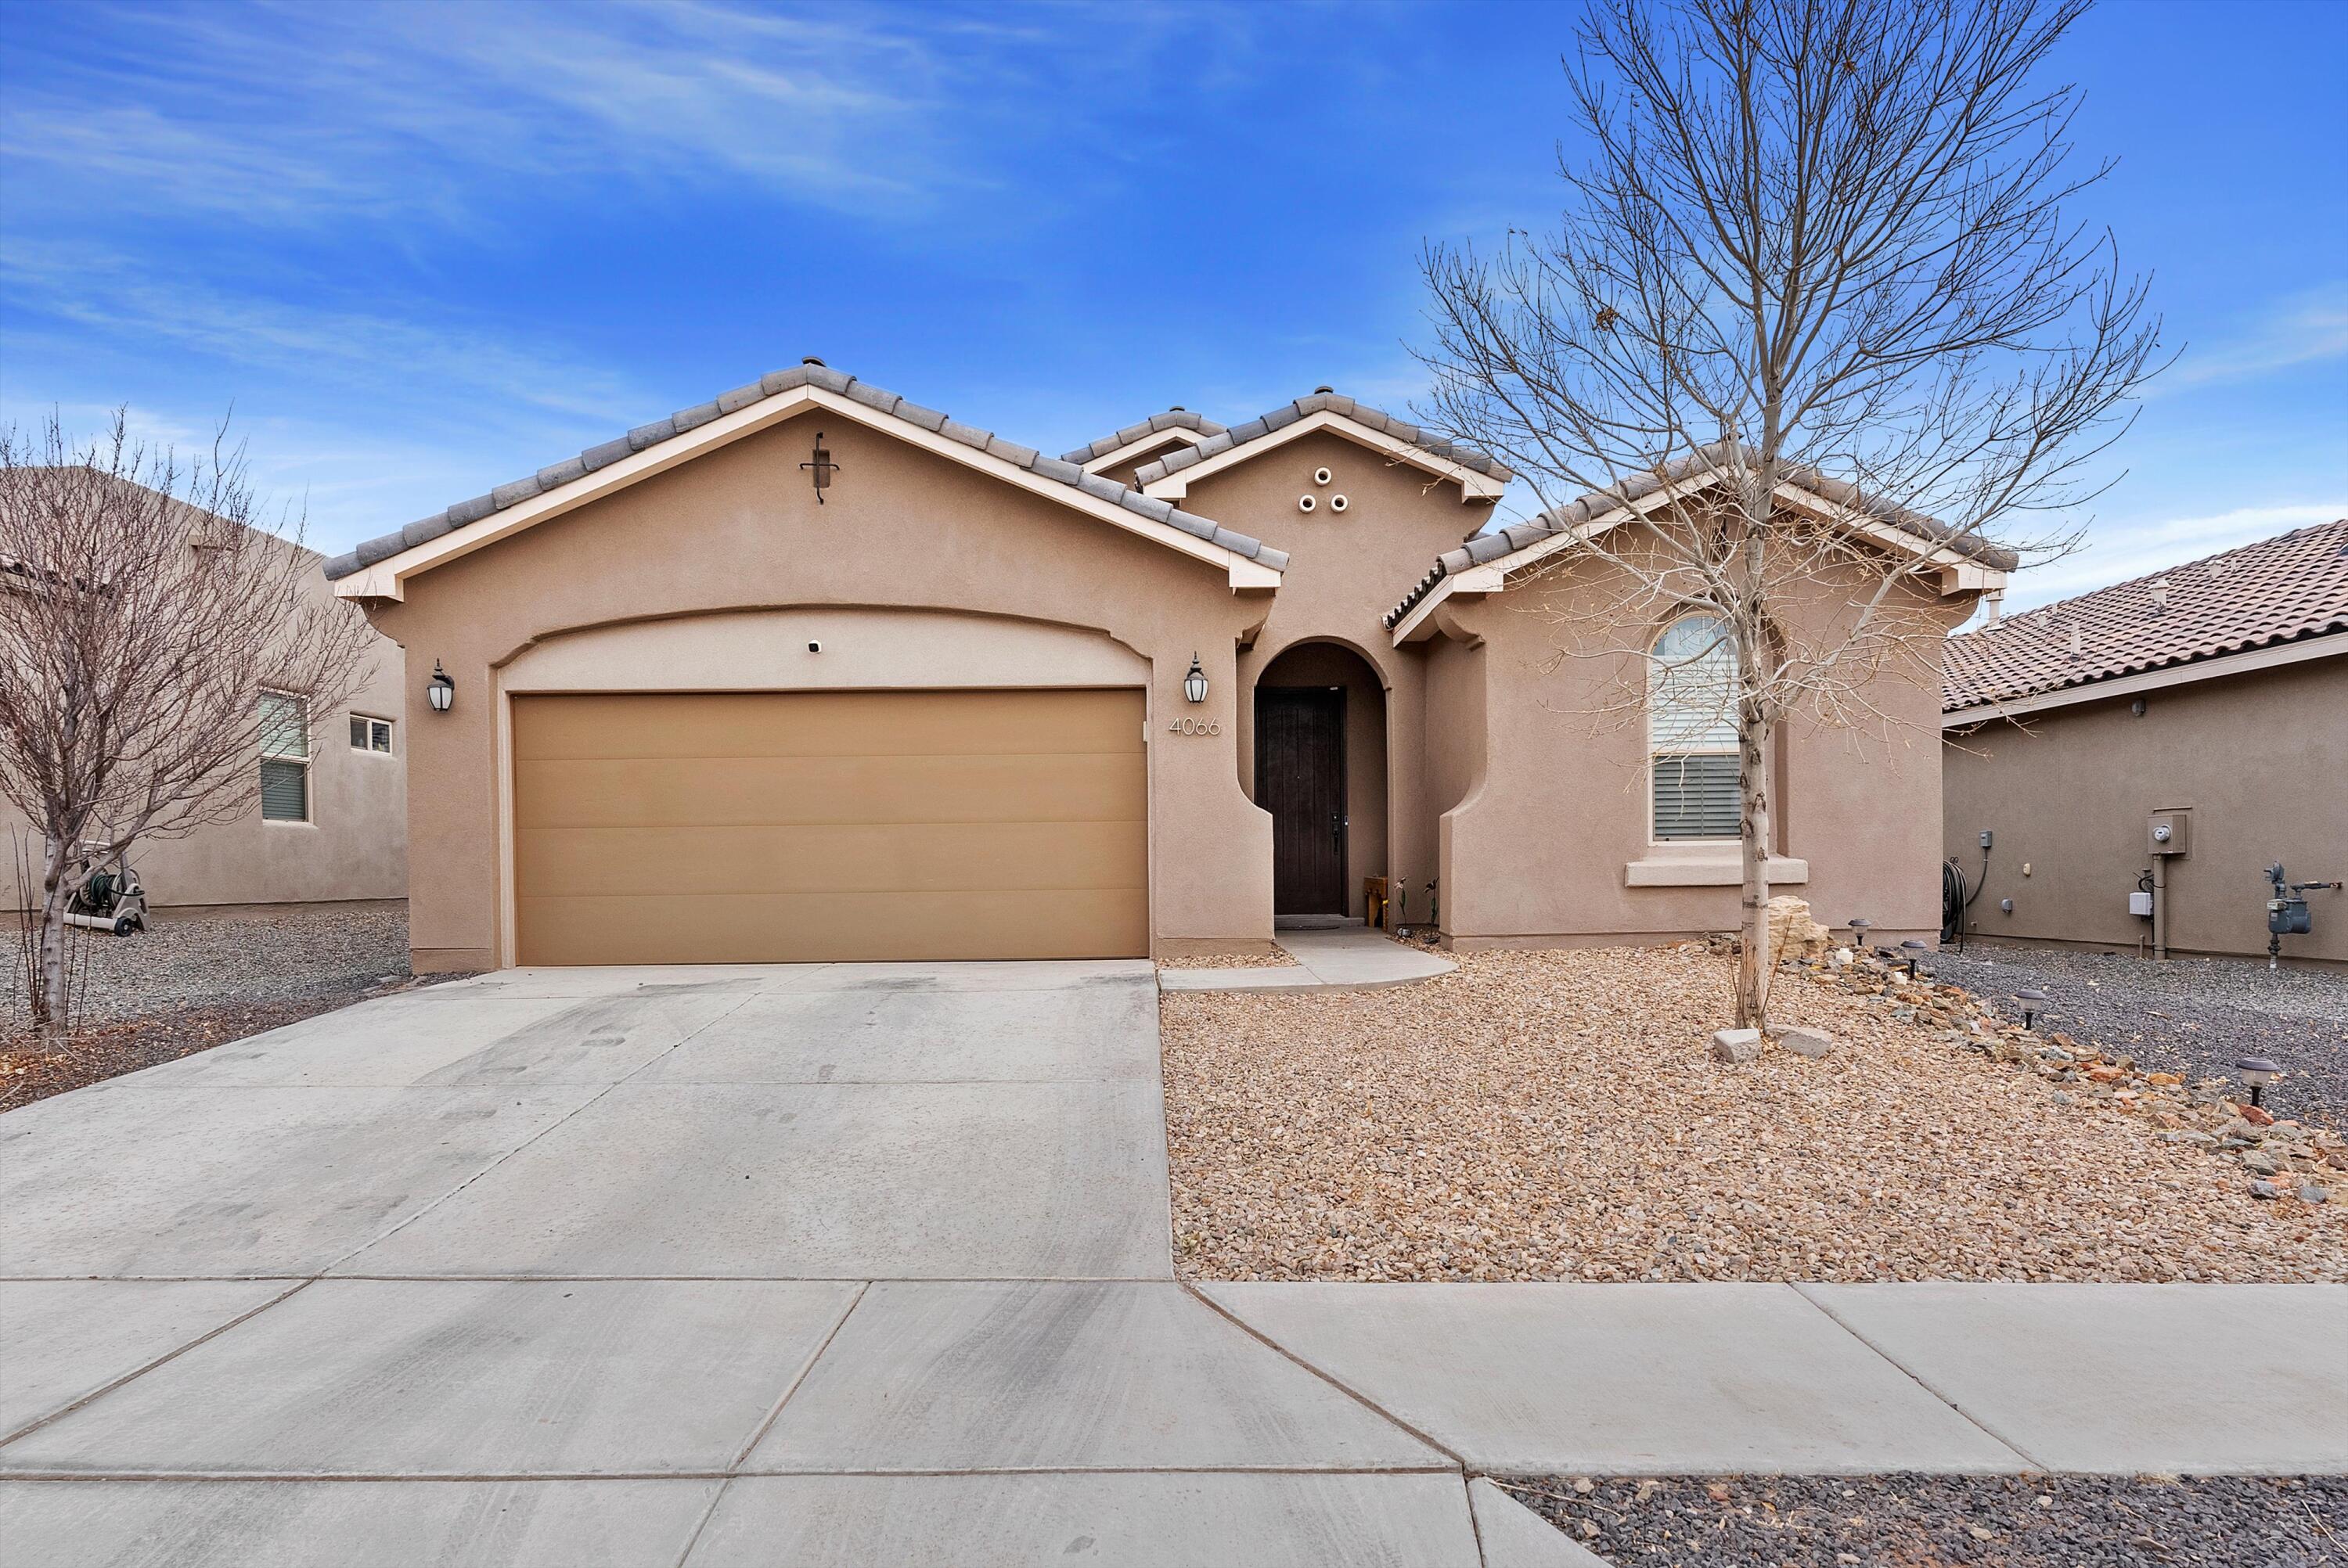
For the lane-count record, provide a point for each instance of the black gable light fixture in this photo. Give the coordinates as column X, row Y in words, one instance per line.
column 820, row 468
column 442, row 692
column 1194, row 684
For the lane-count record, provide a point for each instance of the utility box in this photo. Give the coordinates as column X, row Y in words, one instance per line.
column 2140, row 904
column 2168, row 833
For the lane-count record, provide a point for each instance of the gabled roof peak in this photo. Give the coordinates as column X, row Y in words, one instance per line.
column 1323, row 400
column 1175, row 418
column 809, row 373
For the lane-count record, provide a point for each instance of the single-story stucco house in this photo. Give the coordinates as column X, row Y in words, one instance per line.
column 812, row 672
column 2209, row 698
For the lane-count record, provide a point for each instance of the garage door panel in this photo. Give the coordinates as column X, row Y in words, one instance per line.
column 758, row 791
column 689, row 861
column 822, row 723
column 818, row 827
column 809, row 928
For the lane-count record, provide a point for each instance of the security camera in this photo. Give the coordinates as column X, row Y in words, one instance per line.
column 814, row 647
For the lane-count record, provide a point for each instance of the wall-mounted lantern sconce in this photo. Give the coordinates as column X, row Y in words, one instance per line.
column 821, row 468
column 1194, row 684
column 442, row 692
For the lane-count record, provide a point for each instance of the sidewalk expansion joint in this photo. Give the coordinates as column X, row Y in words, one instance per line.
column 2029, row 1459
column 1191, row 1289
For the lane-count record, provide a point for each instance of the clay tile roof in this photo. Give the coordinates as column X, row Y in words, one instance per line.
column 1288, row 414
column 513, row 493
column 2277, row 590
column 1492, row 546
column 1172, row 419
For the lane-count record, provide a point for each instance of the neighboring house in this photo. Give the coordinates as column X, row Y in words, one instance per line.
column 327, row 822
column 810, row 672
column 2212, row 696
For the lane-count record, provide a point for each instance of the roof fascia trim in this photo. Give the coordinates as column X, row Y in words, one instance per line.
column 387, row 579
column 1473, row 487
column 2247, row 661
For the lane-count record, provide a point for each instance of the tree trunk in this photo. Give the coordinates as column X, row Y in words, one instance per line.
column 1754, row 968
column 48, row 989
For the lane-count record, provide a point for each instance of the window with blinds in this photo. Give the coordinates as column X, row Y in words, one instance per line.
column 1692, row 732
column 284, row 758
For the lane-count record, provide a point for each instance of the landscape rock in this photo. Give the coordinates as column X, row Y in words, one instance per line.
column 1735, row 1045
column 1793, row 933
column 1805, row 1042
column 2312, row 1194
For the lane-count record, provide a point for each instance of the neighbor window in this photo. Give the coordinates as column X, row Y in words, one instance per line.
column 1692, row 731
column 370, row 734
column 284, row 758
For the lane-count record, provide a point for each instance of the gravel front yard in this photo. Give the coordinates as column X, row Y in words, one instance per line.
column 2194, row 1016
column 2011, row 1521
column 1557, row 1115
column 186, row 985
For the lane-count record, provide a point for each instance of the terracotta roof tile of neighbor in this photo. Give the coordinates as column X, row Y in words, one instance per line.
column 2277, row 590
column 1288, row 414
column 1490, row 547
column 1172, row 419
column 775, row 383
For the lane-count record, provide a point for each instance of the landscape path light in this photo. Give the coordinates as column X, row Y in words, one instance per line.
column 1859, row 925
column 2033, row 1001
column 1915, row 951
column 2257, row 1073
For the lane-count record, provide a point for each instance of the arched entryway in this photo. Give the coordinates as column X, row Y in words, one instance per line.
column 1321, row 772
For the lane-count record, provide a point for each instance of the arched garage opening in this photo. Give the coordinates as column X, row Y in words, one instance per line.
column 1321, row 773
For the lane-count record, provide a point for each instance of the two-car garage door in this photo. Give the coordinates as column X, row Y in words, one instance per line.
column 796, row 827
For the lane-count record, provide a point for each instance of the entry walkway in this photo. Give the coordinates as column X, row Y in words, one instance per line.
column 1346, row 959
column 859, row 1264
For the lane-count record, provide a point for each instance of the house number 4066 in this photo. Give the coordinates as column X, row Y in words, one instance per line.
column 1190, row 726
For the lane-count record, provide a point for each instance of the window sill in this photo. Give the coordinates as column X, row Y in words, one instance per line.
column 1707, row 865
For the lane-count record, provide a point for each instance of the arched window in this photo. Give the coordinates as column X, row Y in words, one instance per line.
column 1692, row 731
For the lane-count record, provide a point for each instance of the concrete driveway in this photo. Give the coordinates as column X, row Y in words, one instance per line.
column 832, row 1263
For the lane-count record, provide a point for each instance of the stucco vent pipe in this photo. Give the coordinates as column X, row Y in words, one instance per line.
column 1993, row 607
column 2159, row 595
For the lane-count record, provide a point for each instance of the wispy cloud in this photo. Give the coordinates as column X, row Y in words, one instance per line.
column 2119, row 551
column 2302, row 329
column 297, row 114
column 428, row 351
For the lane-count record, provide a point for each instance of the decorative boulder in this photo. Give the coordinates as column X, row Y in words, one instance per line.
column 1792, row 933
column 1735, row 1045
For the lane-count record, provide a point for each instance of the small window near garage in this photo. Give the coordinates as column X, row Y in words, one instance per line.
column 284, row 758
column 1692, row 732
column 370, row 734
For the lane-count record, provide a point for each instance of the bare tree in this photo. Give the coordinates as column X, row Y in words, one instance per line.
column 1817, row 250
column 142, row 616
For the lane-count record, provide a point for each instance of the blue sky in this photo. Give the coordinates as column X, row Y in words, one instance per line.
column 423, row 248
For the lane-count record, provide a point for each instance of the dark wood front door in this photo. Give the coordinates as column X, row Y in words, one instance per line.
column 1300, row 778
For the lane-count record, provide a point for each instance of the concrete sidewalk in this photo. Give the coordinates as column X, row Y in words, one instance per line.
column 1346, row 959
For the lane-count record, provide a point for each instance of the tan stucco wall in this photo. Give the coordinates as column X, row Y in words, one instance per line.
column 738, row 529
column 1539, row 849
column 355, row 845
column 2261, row 761
column 1345, row 572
